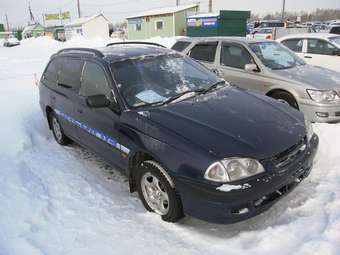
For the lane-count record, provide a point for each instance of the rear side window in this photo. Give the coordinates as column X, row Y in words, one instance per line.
column 180, row 46
column 335, row 30
column 235, row 56
column 204, row 52
column 94, row 81
column 294, row 44
column 51, row 73
column 316, row 46
column 69, row 76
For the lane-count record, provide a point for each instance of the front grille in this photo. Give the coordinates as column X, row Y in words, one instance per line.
column 287, row 157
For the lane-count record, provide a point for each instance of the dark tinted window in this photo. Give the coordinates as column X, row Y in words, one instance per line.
column 180, row 46
column 94, row 81
column 204, row 52
column 235, row 56
column 294, row 44
column 321, row 47
column 70, row 73
column 335, row 30
column 51, row 73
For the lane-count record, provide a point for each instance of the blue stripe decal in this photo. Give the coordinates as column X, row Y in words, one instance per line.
column 109, row 140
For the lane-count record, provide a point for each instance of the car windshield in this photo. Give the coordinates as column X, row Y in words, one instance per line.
column 275, row 56
column 335, row 39
column 157, row 79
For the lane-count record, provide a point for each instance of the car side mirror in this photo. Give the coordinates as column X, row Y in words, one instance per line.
column 98, row 101
column 251, row 68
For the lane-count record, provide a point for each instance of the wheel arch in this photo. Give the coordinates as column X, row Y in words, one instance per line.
column 271, row 92
column 137, row 159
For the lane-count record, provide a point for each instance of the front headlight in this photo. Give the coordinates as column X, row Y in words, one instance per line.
column 233, row 169
column 323, row 96
column 309, row 129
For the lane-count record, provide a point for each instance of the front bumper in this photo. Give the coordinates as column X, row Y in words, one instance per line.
column 320, row 112
column 204, row 202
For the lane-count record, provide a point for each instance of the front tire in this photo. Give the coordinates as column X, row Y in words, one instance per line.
column 57, row 130
column 286, row 98
column 156, row 192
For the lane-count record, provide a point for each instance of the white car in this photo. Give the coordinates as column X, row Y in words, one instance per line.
column 262, row 33
column 315, row 48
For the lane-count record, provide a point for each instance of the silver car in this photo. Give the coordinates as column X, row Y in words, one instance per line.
column 271, row 69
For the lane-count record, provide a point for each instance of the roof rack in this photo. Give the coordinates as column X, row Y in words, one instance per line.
column 146, row 43
column 95, row 52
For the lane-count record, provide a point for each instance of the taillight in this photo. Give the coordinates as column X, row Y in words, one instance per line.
column 269, row 37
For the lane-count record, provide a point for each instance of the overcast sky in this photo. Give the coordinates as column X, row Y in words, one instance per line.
column 117, row 10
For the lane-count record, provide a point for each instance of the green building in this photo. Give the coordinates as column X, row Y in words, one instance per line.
column 225, row 23
column 164, row 22
column 33, row 30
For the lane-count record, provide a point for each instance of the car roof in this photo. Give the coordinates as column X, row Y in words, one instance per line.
column 244, row 40
column 119, row 52
column 309, row 35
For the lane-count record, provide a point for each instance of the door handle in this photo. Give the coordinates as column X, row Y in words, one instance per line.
column 80, row 111
column 53, row 97
column 308, row 57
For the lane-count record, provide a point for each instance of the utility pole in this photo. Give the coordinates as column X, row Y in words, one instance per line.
column 177, row 2
column 283, row 9
column 210, row 5
column 78, row 7
column 31, row 13
column 7, row 22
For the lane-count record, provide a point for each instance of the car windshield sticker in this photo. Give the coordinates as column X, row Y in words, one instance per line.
column 150, row 96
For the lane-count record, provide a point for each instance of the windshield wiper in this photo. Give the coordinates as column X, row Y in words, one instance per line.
column 177, row 96
column 212, row 87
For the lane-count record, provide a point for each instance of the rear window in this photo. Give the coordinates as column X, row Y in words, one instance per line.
column 70, row 73
column 294, row 44
column 204, row 52
column 180, row 46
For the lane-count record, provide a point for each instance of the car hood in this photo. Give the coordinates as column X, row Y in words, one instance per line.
column 233, row 123
column 313, row 76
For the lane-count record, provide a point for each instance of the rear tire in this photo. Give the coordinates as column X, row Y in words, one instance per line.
column 156, row 192
column 286, row 98
column 57, row 130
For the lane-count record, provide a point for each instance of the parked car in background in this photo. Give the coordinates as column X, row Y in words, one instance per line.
column 189, row 142
column 317, row 49
column 335, row 30
column 271, row 69
column 11, row 42
column 263, row 33
column 270, row 23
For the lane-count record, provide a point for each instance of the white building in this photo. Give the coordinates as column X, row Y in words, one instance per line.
column 88, row 27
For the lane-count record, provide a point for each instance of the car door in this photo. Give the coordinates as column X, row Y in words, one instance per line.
column 98, row 128
column 233, row 58
column 296, row 45
column 322, row 53
column 204, row 52
column 68, row 70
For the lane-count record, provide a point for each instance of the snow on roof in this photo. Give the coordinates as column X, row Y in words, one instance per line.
column 31, row 27
column 83, row 20
column 309, row 35
column 161, row 11
column 204, row 15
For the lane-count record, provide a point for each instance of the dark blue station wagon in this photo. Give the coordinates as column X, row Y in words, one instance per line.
column 190, row 143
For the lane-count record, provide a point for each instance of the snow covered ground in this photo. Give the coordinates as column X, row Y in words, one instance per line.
column 65, row 200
